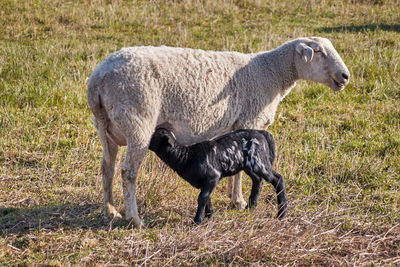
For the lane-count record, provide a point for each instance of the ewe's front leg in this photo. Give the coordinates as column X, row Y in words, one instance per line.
column 237, row 196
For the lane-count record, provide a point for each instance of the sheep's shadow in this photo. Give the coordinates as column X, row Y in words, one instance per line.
column 66, row 215
column 22, row 221
column 361, row 28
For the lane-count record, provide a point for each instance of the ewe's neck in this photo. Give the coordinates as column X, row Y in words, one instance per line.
column 280, row 63
column 175, row 156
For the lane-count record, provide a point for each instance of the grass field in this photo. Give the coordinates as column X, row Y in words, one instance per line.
column 339, row 152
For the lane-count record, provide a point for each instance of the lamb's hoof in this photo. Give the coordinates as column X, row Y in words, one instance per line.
column 250, row 207
column 282, row 210
column 281, row 215
column 194, row 223
column 239, row 204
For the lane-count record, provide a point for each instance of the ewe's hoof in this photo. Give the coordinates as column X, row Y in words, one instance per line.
column 112, row 214
column 116, row 216
column 239, row 204
column 137, row 223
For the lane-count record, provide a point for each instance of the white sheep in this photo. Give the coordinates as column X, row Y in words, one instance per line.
column 198, row 95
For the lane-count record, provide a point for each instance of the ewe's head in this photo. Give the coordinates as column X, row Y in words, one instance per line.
column 317, row 60
column 162, row 138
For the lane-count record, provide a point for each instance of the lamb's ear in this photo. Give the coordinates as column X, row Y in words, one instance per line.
column 168, row 141
column 305, row 52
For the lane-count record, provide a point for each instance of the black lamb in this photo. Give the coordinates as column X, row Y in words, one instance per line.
column 204, row 164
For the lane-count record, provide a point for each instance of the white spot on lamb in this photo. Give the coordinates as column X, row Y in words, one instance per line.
column 230, row 151
column 255, row 141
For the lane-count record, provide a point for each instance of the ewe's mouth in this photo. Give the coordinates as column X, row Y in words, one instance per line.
column 339, row 85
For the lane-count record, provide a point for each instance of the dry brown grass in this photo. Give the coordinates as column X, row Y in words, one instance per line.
column 75, row 232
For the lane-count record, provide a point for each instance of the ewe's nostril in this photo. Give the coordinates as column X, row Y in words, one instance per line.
column 345, row 76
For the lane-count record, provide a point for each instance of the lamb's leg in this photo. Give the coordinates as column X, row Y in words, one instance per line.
column 204, row 199
column 209, row 210
column 255, row 190
column 229, row 187
column 237, row 196
column 110, row 151
column 201, row 202
column 279, row 183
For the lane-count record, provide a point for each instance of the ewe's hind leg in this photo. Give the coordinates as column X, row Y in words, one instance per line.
column 138, row 131
column 110, row 151
column 133, row 158
column 237, row 196
column 107, row 169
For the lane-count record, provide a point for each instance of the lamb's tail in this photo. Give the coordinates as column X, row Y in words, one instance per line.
column 100, row 117
column 271, row 144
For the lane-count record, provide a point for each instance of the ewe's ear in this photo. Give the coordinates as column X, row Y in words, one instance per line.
column 305, row 52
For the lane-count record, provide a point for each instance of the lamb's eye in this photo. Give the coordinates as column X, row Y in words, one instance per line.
column 317, row 51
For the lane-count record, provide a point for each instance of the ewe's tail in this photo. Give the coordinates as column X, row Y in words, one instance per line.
column 95, row 102
column 100, row 117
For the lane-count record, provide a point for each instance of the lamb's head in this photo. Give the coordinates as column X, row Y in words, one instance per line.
column 162, row 139
column 317, row 60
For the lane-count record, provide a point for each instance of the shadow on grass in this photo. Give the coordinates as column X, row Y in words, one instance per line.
column 66, row 215
column 23, row 221
column 362, row 28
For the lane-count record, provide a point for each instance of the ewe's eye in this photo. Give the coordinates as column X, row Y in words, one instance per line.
column 319, row 51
